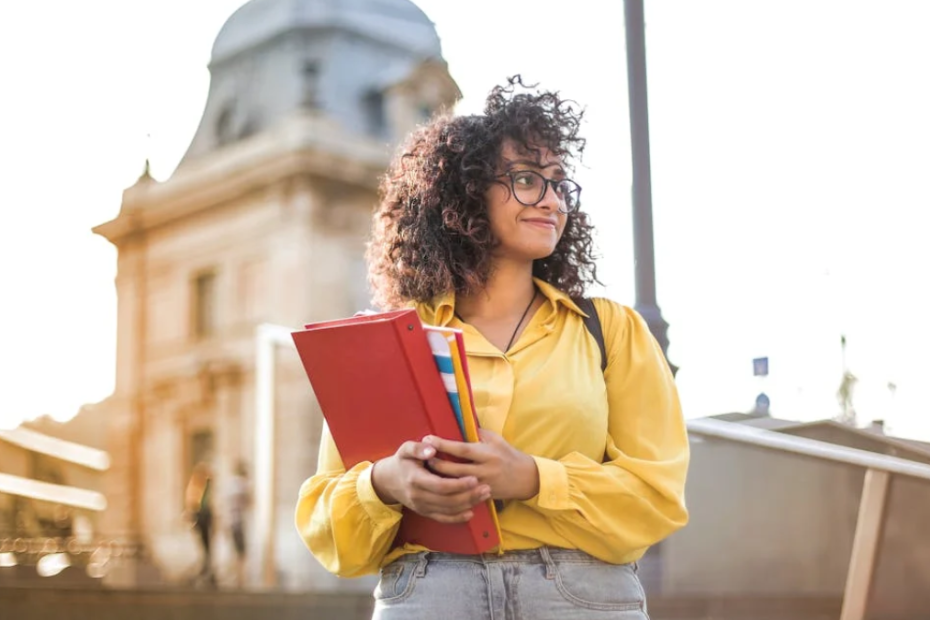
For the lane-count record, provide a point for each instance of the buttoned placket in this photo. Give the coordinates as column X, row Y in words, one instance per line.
column 503, row 379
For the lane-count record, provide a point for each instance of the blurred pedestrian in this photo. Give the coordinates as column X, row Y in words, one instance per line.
column 199, row 508
column 239, row 500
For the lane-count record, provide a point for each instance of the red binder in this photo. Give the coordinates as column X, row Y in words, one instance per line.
column 378, row 386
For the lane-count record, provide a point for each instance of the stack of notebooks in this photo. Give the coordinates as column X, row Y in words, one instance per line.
column 384, row 379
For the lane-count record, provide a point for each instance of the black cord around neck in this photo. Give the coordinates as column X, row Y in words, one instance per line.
column 515, row 329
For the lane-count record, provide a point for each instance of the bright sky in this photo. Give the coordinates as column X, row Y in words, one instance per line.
column 790, row 185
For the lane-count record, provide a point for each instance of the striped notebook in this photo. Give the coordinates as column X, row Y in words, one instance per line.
column 441, row 340
column 448, row 347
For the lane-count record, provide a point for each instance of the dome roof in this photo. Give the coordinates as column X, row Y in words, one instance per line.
column 399, row 22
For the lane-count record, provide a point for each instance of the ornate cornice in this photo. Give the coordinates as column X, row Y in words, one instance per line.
column 303, row 145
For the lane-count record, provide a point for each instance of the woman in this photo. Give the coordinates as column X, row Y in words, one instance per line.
column 479, row 228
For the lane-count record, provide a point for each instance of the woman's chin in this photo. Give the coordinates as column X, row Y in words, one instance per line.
column 526, row 252
column 542, row 252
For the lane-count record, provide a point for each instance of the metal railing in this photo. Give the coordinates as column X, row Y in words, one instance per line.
column 53, row 493
column 57, row 448
column 872, row 506
column 70, row 452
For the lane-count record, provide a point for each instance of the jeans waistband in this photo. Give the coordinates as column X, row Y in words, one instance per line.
column 542, row 555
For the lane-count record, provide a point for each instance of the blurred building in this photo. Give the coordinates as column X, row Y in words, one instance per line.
column 264, row 221
column 51, row 483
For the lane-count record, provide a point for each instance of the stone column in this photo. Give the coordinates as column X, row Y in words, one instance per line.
column 125, row 407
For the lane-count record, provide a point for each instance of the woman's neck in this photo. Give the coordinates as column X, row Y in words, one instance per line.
column 509, row 289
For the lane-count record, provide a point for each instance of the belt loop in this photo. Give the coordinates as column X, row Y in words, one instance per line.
column 420, row 569
column 548, row 561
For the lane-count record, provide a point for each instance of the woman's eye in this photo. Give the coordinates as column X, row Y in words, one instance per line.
column 525, row 180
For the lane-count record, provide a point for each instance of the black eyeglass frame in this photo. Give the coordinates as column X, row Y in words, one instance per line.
column 546, row 183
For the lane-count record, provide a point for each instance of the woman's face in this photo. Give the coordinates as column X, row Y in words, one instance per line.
column 522, row 232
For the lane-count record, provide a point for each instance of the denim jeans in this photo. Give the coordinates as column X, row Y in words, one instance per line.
column 519, row 585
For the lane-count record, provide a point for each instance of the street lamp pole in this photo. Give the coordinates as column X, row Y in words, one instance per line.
column 643, row 247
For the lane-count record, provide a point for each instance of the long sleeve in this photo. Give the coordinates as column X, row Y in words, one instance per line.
column 340, row 517
column 635, row 497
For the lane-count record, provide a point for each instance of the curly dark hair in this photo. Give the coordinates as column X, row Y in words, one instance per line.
column 431, row 233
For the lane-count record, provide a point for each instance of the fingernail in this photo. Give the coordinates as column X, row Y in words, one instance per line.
column 428, row 439
column 427, row 452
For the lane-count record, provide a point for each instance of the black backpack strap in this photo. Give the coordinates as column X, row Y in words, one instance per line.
column 593, row 323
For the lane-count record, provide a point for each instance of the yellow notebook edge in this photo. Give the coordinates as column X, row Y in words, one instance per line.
column 470, row 415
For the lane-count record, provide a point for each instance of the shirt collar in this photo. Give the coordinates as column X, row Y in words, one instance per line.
column 441, row 309
column 555, row 297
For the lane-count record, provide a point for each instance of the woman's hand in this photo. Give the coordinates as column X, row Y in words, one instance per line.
column 509, row 473
column 404, row 479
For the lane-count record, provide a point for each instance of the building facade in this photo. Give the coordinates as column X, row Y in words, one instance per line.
column 264, row 221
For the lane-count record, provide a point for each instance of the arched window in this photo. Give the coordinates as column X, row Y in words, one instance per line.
column 375, row 114
column 224, row 128
column 310, row 79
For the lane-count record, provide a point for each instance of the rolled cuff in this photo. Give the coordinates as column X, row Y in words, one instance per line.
column 377, row 510
column 553, row 485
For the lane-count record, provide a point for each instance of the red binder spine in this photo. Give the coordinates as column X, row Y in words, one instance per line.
column 476, row 536
column 419, row 359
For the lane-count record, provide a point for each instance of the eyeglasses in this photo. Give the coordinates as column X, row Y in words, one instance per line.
column 530, row 187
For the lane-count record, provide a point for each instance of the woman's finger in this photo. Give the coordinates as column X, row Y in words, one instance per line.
column 452, row 469
column 457, row 518
column 416, row 450
column 423, row 480
column 464, row 450
column 426, row 503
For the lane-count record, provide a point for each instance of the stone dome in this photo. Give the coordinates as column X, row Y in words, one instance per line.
column 277, row 59
column 398, row 22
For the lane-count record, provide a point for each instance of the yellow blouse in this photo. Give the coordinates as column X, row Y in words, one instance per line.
column 611, row 447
